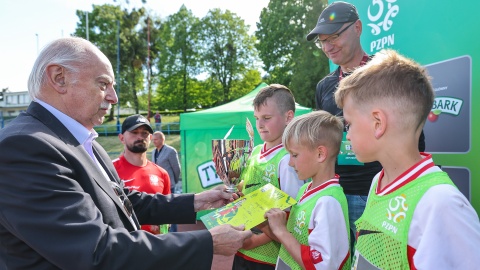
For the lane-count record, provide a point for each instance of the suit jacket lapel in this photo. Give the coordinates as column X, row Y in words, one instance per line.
column 43, row 115
column 163, row 153
column 101, row 156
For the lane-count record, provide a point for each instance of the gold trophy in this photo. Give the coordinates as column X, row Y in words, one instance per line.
column 230, row 158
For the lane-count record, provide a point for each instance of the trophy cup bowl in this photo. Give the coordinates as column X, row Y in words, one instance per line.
column 230, row 157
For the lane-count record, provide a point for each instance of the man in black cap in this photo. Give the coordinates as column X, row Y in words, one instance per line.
column 337, row 34
column 134, row 168
column 135, row 121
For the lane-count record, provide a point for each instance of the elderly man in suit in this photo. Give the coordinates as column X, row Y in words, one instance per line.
column 166, row 157
column 62, row 205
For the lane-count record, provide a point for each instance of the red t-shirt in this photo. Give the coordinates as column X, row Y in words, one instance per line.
column 150, row 178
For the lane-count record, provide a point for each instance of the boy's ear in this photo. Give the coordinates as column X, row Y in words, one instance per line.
column 56, row 78
column 380, row 123
column 290, row 115
column 322, row 153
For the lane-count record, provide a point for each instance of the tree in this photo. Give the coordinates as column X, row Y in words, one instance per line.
column 150, row 32
column 102, row 27
column 227, row 49
column 133, row 50
column 287, row 56
column 178, row 60
column 250, row 79
column 135, row 55
column 187, row 62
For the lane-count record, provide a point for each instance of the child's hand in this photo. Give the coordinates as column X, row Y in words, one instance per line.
column 267, row 230
column 277, row 220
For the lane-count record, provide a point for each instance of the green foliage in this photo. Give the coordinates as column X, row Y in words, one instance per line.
column 250, row 80
column 287, row 56
column 104, row 32
column 227, row 49
column 177, row 46
column 182, row 62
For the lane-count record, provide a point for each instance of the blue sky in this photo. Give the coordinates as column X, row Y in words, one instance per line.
column 28, row 25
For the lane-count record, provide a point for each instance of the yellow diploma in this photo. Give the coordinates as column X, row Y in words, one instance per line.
column 249, row 209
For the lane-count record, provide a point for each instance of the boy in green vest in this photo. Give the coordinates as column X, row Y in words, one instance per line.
column 415, row 217
column 274, row 108
column 316, row 235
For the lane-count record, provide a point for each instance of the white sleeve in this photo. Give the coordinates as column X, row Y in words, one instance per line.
column 329, row 234
column 288, row 178
column 445, row 231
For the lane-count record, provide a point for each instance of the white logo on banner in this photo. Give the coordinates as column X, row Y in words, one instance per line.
column 381, row 21
column 208, row 175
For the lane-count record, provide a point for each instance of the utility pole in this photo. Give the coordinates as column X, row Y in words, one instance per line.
column 148, row 67
column 36, row 34
column 86, row 19
column 118, row 76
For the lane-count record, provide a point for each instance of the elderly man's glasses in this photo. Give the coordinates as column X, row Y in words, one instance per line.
column 331, row 39
column 127, row 204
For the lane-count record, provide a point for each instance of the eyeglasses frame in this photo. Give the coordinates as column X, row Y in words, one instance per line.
column 332, row 38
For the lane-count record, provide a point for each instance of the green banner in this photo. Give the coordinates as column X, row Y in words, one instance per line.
column 198, row 129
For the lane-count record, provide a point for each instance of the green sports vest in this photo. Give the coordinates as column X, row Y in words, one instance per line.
column 256, row 175
column 299, row 219
column 164, row 228
column 383, row 228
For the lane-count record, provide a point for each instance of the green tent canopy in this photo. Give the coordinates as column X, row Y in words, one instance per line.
column 197, row 129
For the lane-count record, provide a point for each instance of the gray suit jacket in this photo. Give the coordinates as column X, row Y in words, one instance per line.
column 57, row 210
column 168, row 159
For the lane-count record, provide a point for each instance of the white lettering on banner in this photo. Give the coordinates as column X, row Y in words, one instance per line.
column 442, row 88
column 382, row 43
column 208, row 175
column 448, row 105
column 380, row 22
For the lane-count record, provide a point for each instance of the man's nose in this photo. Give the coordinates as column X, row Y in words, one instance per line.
column 326, row 46
column 111, row 95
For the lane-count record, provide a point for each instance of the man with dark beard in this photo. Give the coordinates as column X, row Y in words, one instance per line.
column 133, row 166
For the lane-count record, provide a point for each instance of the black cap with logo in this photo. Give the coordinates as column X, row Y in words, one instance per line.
column 332, row 19
column 134, row 121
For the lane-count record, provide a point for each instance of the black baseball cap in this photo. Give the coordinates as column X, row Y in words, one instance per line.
column 134, row 121
column 332, row 19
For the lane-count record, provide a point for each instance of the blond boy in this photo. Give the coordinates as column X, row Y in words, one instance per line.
column 415, row 217
column 316, row 235
column 274, row 108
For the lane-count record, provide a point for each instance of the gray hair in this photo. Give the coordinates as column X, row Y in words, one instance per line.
column 68, row 52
